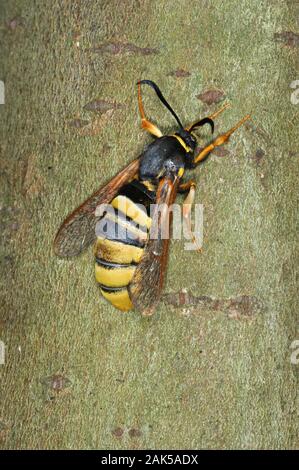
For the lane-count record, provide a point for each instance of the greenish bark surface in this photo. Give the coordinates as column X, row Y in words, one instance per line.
column 77, row 373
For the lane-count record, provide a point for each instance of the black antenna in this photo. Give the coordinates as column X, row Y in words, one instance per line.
column 161, row 98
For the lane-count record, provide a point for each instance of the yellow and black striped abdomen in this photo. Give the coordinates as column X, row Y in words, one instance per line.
column 121, row 237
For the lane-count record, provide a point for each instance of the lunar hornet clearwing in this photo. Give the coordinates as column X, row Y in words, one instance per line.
column 130, row 250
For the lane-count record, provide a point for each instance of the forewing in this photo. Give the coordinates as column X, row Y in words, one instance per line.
column 78, row 230
column 147, row 283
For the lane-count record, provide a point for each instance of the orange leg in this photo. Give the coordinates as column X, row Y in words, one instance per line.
column 187, row 207
column 219, row 141
column 183, row 187
column 145, row 124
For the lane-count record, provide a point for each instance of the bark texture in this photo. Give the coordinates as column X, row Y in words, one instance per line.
column 212, row 368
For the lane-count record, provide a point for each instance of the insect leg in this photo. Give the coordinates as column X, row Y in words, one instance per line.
column 183, row 187
column 219, row 141
column 145, row 124
column 187, row 207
